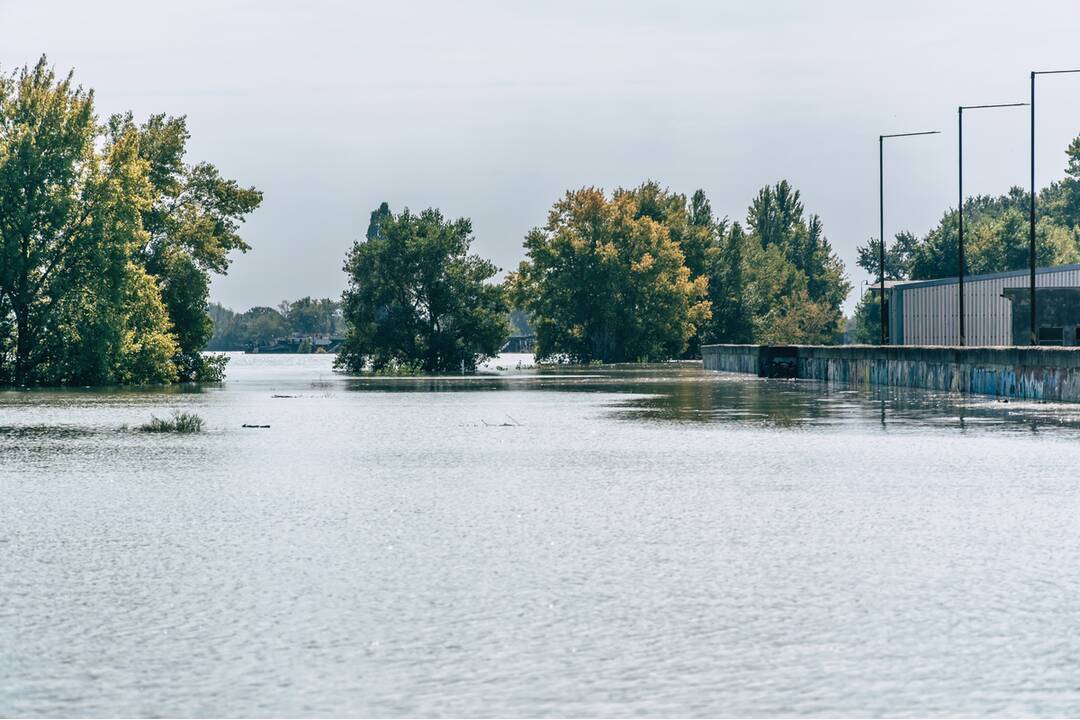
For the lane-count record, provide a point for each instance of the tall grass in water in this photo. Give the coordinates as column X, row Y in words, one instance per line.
column 180, row 422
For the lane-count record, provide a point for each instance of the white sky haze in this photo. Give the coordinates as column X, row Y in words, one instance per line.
column 492, row 110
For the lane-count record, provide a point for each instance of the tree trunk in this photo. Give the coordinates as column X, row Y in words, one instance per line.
column 22, row 345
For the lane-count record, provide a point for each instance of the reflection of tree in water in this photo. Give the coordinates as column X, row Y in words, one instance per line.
column 686, row 393
column 737, row 399
column 784, row 403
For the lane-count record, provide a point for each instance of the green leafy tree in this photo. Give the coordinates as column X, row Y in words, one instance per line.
column 377, row 216
column 899, row 256
column 262, row 326
column 192, row 227
column 307, row 317
column 1066, row 195
column 795, row 283
column 184, row 289
column 108, row 239
column 705, row 225
column 79, row 308
column 690, row 225
column 996, row 235
column 867, row 320
column 731, row 321
column 605, row 281
column 416, row 297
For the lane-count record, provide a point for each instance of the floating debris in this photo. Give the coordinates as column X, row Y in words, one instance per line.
column 254, row 426
column 512, row 423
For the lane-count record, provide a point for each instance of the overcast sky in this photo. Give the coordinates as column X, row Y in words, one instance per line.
column 492, row 110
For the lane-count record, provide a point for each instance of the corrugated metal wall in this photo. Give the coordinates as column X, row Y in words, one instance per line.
column 930, row 312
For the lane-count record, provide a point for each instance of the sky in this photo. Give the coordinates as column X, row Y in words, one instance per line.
column 492, row 110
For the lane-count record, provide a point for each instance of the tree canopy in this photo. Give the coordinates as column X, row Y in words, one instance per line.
column 107, row 240
column 263, row 325
column 605, row 281
column 417, row 299
column 649, row 274
column 795, row 282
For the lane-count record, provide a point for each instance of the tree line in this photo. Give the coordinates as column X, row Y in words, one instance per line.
column 262, row 325
column 107, row 240
column 642, row 274
column 996, row 239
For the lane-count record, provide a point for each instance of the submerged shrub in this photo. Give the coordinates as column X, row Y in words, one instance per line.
column 180, row 422
column 200, row 367
column 395, row 368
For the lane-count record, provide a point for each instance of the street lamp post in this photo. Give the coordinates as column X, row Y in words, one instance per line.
column 1031, row 234
column 881, row 214
column 960, row 206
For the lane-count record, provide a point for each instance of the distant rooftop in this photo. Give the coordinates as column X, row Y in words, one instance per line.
column 889, row 284
column 905, row 284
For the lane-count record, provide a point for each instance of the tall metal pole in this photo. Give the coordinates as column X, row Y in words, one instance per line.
column 1031, row 232
column 960, row 215
column 1034, row 336
column 881, row 231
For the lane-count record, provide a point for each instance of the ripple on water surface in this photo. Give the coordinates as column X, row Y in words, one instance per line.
column 615, row 541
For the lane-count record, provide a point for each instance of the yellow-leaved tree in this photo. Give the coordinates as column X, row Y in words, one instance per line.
column 605, row 282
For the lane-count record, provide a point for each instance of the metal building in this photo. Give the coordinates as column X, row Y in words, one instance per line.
column 924, row 312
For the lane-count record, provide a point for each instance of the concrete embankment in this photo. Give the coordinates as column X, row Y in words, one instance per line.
column 1036, row 373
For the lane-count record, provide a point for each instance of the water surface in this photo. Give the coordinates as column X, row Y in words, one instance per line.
column 618, row 541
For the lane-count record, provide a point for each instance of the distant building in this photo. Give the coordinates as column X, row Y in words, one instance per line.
column 299, row 343
column 519, row 344
column 925, row 312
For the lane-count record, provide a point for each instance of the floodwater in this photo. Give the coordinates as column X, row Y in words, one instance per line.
column 620, row 541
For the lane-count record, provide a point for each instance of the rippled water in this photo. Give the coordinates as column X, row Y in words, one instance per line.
column 625, row 541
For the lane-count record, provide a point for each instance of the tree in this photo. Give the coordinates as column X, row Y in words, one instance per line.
column 1070, row 188
column 899, row 256
column 71, row 197
column 107, row 240
column 307, row 317
column 377, row 216
column 730, row 321
column 867, row 319
column 193, row 225
column 262, row 325
column 417, row 298
column 689, row 225
column 795, row 283
column 605, row 281
column 996, row 237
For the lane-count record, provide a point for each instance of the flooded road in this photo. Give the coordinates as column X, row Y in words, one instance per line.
column 609, row 541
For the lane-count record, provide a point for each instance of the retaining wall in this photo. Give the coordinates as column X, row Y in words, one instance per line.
column 1036, row 373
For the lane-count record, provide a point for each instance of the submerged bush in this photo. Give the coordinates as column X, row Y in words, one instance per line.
column 395, row 369
column 199, row 367
column 180, row 422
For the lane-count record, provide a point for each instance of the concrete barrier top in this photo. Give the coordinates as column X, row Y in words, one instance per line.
column 1064, row 357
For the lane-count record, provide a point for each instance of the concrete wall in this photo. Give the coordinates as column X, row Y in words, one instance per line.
column 731, row 358
column 1051, row 374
